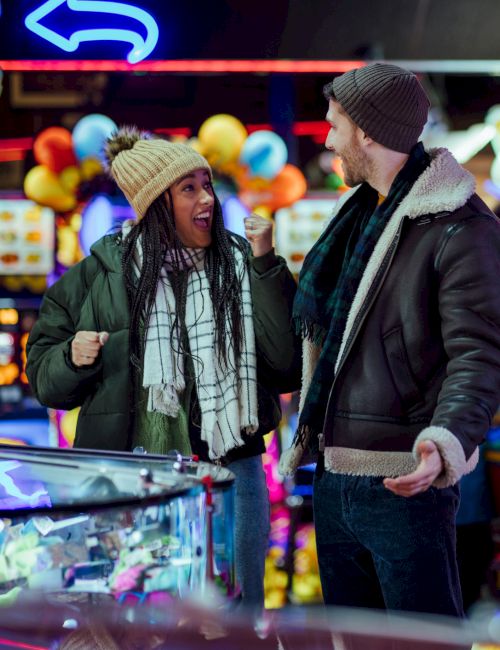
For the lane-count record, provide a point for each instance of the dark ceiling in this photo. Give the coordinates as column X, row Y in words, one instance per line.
column 298, row 29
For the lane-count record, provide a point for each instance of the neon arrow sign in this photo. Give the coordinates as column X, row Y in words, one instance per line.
column 141, row 48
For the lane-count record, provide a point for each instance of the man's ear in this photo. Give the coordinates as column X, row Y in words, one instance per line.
column 364, row 139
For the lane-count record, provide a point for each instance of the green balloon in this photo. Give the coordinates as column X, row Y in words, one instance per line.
column 333, row 181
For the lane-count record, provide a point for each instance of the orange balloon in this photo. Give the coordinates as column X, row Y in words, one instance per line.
column 287, row 187
column 252, row 183
column 53, row 148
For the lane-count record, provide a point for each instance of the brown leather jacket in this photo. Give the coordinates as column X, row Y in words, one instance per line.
column 420, row 357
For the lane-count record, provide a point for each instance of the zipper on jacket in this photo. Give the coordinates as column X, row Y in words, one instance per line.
column 374, row 289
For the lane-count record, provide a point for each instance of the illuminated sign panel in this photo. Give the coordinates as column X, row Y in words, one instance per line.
column 26, row 238
column 142, row 47
column 129, row 30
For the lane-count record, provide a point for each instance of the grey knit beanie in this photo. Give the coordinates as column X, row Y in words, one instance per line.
column 144, row 167
column 386, row 102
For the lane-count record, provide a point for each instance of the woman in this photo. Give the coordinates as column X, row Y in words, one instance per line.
column 175, row 333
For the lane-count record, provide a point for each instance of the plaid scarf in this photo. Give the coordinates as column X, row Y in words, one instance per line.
column 227, row 395
column 331, row 275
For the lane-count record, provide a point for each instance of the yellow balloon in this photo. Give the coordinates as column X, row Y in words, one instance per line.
column 90, row 167
column 195, row 144
column 68, row 425
column 70, row 178
column 43, row 186
column 67, row 246
column 222, row 137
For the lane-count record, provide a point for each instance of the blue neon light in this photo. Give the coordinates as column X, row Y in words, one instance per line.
column 141, row 48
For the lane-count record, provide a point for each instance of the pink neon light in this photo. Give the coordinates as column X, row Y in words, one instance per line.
column 11, row 156
column 18, row 644
column 312, row 128
column 15, row 144
column 181, row 130
column 186, row 65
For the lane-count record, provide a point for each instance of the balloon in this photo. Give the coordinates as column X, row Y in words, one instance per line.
column 68, row 425
column 70, row 179
column 68, row 248
column 233, row 170
column 265, row 154
column 43, row 186
column 89, row 168
column 195, row 144
column 253, row 183
column 222, row 137
column 288, row 186
column 90, row 134
column 334, row 182
column 53, row 148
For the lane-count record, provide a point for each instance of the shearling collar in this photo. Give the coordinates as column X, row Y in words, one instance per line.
column 444, row 186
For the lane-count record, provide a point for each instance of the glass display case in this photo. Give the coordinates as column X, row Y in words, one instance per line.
column 132, row 526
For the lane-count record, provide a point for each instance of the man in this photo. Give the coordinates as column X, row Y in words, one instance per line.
column 399, row 306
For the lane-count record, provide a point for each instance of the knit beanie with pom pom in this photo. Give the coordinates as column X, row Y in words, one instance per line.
column 144, row 166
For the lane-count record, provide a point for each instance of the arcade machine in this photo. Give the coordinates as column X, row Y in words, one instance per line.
column 26, row 258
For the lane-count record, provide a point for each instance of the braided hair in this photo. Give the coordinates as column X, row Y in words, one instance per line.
column 159, row 239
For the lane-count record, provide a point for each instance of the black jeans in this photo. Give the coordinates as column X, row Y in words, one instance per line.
column 379, row 550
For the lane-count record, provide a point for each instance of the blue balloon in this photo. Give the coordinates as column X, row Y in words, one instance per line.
column 264, row 153
column 90, row 134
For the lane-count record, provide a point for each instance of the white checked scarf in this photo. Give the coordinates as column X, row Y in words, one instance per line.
column 227, row 399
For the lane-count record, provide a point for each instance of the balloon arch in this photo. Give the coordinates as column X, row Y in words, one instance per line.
column 251, row 169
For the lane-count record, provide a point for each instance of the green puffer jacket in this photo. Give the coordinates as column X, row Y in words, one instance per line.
column 91, row 296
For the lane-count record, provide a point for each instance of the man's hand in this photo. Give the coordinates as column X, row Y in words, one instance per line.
column 259, row 232
column 428, row 469
column 86, row 346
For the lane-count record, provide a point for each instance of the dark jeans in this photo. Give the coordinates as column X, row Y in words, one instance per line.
column 379, row 550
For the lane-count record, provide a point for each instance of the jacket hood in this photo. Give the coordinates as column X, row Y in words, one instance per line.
column 108, row 251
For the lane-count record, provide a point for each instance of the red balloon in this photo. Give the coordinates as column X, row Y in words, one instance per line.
column 53, row 148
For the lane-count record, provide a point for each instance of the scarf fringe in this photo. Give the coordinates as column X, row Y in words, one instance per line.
column 314, row 332
column 302, row 436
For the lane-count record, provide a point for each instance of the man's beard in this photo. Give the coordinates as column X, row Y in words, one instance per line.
column 354, row 166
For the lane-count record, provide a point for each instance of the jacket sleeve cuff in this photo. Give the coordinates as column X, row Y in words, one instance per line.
column 264, row 263
column 454, row 463
column 296, row 455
